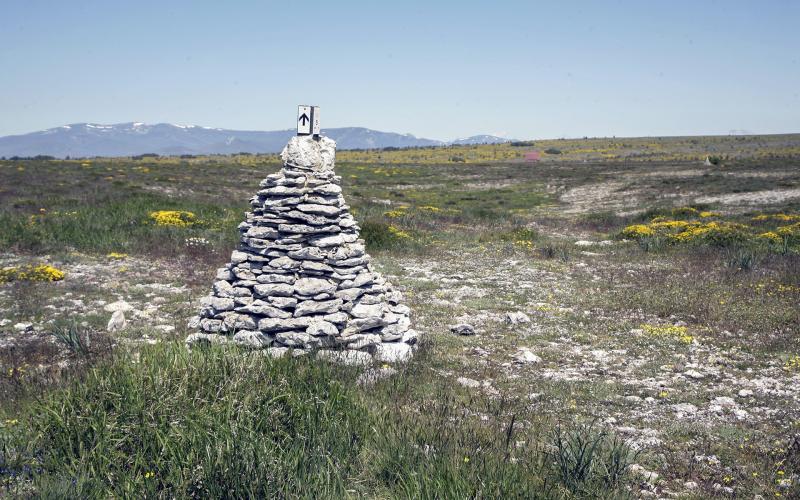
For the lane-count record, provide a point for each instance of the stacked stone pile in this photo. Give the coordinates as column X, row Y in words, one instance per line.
column 301, row 277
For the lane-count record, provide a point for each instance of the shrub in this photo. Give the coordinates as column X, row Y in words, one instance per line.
column 553, row 151
column 519, row 234
column 741, row 259
column 637, row 231
column 42, row 272
column 379, row 235
column 178, row 218
column 588, row 459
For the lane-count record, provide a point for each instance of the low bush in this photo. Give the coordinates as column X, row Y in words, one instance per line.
column 379, row 235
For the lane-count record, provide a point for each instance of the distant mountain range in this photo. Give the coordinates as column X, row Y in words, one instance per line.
column 133, row 138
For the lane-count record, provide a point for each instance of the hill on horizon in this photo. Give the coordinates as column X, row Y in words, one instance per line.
column 135, row 138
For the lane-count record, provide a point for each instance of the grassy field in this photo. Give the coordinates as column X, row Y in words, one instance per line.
column 659, row 295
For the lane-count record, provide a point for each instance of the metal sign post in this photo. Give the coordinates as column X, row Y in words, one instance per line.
column 307, row 120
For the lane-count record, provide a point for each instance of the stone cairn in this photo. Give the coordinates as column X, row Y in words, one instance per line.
column 301, row 278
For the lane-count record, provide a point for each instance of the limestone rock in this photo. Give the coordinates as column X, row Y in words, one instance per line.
column 313, row 286
column 393, row 352
column 468, row 382
column 316, row 307
column 463, row 329
column 515, row 318
column 253, row 340
column 310, row 153
column 525, row 356
column 321, row 327
column 353, row 358
column 117, row 321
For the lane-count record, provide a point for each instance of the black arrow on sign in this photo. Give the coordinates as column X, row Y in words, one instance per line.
column 303, row 119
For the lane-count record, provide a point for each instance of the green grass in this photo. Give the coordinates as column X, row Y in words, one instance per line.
column 115, row 224
column 226, row 423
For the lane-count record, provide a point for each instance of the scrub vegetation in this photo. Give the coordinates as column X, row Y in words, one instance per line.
column 635, row 310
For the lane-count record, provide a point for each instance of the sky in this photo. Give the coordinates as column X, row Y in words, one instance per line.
column 436, row 69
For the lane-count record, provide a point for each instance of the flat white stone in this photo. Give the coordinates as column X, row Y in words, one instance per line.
column 317, row 209
column 218, row 303
column 313, row 286
column 320, row 328
column 273, row 289
column 525, row 356
column 252, row 340
column 314, row 307
column 393, row 352
column 363, row 310
column 352, row 358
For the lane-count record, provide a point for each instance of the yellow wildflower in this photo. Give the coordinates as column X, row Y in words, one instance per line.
column 173, row 218
column 430, row 208
column 116, row 255
column 394, row 214
column 399, row 233
column 42, row 272
column 771, row 236
column 637, row 231
column 680, row 333
column 793, row 230
column 670, row 224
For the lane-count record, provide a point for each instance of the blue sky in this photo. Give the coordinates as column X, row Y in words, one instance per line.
column 435, row 69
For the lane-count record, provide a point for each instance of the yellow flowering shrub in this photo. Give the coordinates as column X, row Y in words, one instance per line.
column 669, row 224
column 788, row 231
column 395, row 214
column 117, row 255
column 715, row 232
column 524, row 244
column 399, row 233
column 429, row 208
column 42, row 272
column 778, row 217
column 793, row 363
column 638, row 231
column 771, row 236
column 680, row 333
column 173, row 218
column 688, row 231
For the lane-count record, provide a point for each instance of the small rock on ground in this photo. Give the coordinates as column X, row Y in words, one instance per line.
column 463, row 329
